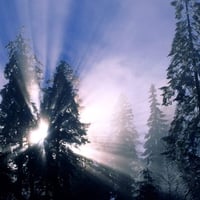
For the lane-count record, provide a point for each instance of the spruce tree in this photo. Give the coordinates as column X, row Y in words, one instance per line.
column 122, row 145
column 61, row 109
column 124, row 132
column 158, row 128
column 183, row 88
column 17, row 112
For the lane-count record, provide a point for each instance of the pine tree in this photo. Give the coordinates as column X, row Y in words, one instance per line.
column 17, row 111
column 158, row 128
column 60, row 107
column 183, row 88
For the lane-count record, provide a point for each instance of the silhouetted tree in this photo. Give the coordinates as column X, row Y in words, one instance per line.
column 17, row 112
column 61, row 108
column 183, row 88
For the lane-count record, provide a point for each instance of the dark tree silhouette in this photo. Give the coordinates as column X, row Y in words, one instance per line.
column 146, row 188
column 60, row 107
column 183, row 88
column 17, row 112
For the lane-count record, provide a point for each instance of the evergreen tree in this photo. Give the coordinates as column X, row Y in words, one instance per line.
column 183, row 88
column 146, row 189
column 124, row 132
column 122, row 146
column 60, row 107
column 17, row 112
column 157, row 124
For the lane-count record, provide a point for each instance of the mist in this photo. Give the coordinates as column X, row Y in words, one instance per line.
column 116, row 48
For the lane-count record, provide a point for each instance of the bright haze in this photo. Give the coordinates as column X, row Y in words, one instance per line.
column 116, row 46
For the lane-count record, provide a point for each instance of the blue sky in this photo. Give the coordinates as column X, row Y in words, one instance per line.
column 118, row 46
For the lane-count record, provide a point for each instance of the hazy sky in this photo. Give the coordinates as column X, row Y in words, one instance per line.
column 118, row 46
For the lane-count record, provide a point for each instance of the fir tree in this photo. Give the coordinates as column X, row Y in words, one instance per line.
column 60, row 107
column 123, row 145
column 17, row 112
column 124, row 132
column 183, row 88
column 158, row 128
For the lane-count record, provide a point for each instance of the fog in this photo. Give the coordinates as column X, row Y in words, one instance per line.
column 115, row 47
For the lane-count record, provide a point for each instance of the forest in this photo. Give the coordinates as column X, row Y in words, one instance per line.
column 40, row 128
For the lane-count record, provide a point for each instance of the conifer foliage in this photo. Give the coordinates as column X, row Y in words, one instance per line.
column 183, row 88
column 42, row 170
column 146, row 188
column 61, row 109
column 124, row 129
column 17, row 113
column 157, row 124
column 16, row 106
column 123, row 144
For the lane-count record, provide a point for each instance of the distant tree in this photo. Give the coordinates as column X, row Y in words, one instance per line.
column 124, row 132
column 158, row 128
column 61, row 109
column 17, row 112
column 184, row 88
column 147, row 188
column 122, row 145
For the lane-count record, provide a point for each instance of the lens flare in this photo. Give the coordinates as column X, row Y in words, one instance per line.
column 38, row 135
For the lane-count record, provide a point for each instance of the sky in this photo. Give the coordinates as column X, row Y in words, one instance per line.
column 116, row 46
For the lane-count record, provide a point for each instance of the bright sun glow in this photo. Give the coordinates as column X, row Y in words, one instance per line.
column 38, row 135
column 85, row 151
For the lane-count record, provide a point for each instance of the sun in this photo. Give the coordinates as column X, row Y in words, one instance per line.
column 38, row 135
